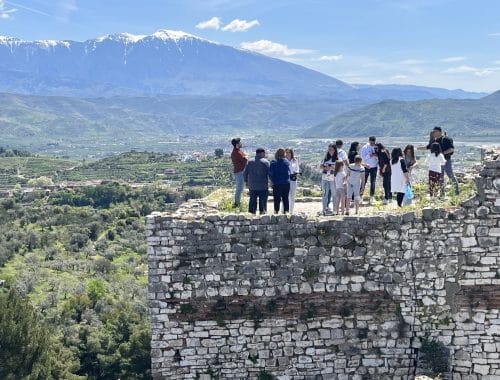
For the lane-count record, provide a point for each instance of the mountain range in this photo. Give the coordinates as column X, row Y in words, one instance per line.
column 173, row 63
column 459, row 117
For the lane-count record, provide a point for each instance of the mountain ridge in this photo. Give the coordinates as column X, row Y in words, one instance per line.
column 173, row 63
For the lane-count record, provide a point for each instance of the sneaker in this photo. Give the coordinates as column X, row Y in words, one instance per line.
column 371, row 201
column 385, row 201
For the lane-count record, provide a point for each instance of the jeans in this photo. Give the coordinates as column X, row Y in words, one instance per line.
column 328, row 190
column 386, row 180
column 239, row 188
column 261, row 195
column 448, row 169
column 280, row 194
column 291, row 195
column 372, row 173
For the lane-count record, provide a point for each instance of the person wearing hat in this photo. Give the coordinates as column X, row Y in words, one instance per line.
column 447, row 149
column 256, row 176
column 239, row 159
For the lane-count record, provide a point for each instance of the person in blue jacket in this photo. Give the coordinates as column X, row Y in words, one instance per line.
column 279, row 172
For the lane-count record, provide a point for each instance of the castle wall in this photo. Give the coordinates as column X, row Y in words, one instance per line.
column 248, row 297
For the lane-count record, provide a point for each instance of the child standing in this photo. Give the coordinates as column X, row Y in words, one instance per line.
column 435, row 161
column 340, row 183
column 355, row 183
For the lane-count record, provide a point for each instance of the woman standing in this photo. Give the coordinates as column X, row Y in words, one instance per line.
column 435, row 161
column 294, row 173
column 279, row 172
column 399, row 177
column 327, row 167
column 353, row 152
column 384, row 162
column 410, row 159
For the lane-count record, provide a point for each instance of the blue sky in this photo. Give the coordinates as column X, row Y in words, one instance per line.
column 441, row 43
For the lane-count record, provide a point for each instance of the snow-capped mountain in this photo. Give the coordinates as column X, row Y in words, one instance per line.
column 166, row 62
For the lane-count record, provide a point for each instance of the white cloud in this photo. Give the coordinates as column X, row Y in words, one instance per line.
column 494, row 35
column 411, row 62
column 4, row 12
column 238, row 25
column 213, row 23
column 399, row 77
column 480, row 72
column 452, row 59
column 331, row 58
column 273, row 49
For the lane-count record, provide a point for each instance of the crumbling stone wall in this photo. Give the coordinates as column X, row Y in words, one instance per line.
column 251, row 297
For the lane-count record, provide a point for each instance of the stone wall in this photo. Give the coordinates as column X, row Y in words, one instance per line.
column 354, row 298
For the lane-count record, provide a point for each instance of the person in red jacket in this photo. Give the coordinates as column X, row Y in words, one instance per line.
column 239, row 159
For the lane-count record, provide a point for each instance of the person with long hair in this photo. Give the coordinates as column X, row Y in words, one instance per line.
column 327, row 167
column 410, row 159
column 435, row 161
column 353, row 151
column 384, row 162
column 294, row 173
column 279, row 172
column 399, row 175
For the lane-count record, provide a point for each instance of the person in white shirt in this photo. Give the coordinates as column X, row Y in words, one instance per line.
column 435, row 161
column 355, row 183
column 399, row 175
column 294, row 173
column 340, row 187
column 370, row 162
column 341, row 152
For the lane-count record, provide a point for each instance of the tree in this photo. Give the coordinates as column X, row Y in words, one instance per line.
column 219, row 153
column 28, row 349
column 42, row 181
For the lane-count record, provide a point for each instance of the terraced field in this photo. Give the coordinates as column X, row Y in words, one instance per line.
column 131, row 167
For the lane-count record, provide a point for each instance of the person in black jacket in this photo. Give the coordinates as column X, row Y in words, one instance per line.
column 447, row 149
column 384, row 164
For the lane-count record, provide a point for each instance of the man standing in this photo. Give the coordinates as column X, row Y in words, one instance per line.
column 256, row 176
column 370, row 162
column 447, row 149
column 341, row 153
column 239, row 159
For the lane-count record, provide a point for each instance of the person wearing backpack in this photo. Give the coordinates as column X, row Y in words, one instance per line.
column 399, row 175
column 447, row 148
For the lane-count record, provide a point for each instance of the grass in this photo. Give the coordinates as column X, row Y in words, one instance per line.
column 224, row 199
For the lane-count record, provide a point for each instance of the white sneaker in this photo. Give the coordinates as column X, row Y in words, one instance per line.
column 371, row 201
column 385, row 201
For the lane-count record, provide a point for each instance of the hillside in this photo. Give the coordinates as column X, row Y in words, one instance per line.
column 464, row 118
column 68, row 122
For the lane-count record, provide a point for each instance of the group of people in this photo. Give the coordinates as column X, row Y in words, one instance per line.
column 256, row 172
column 344, row 174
